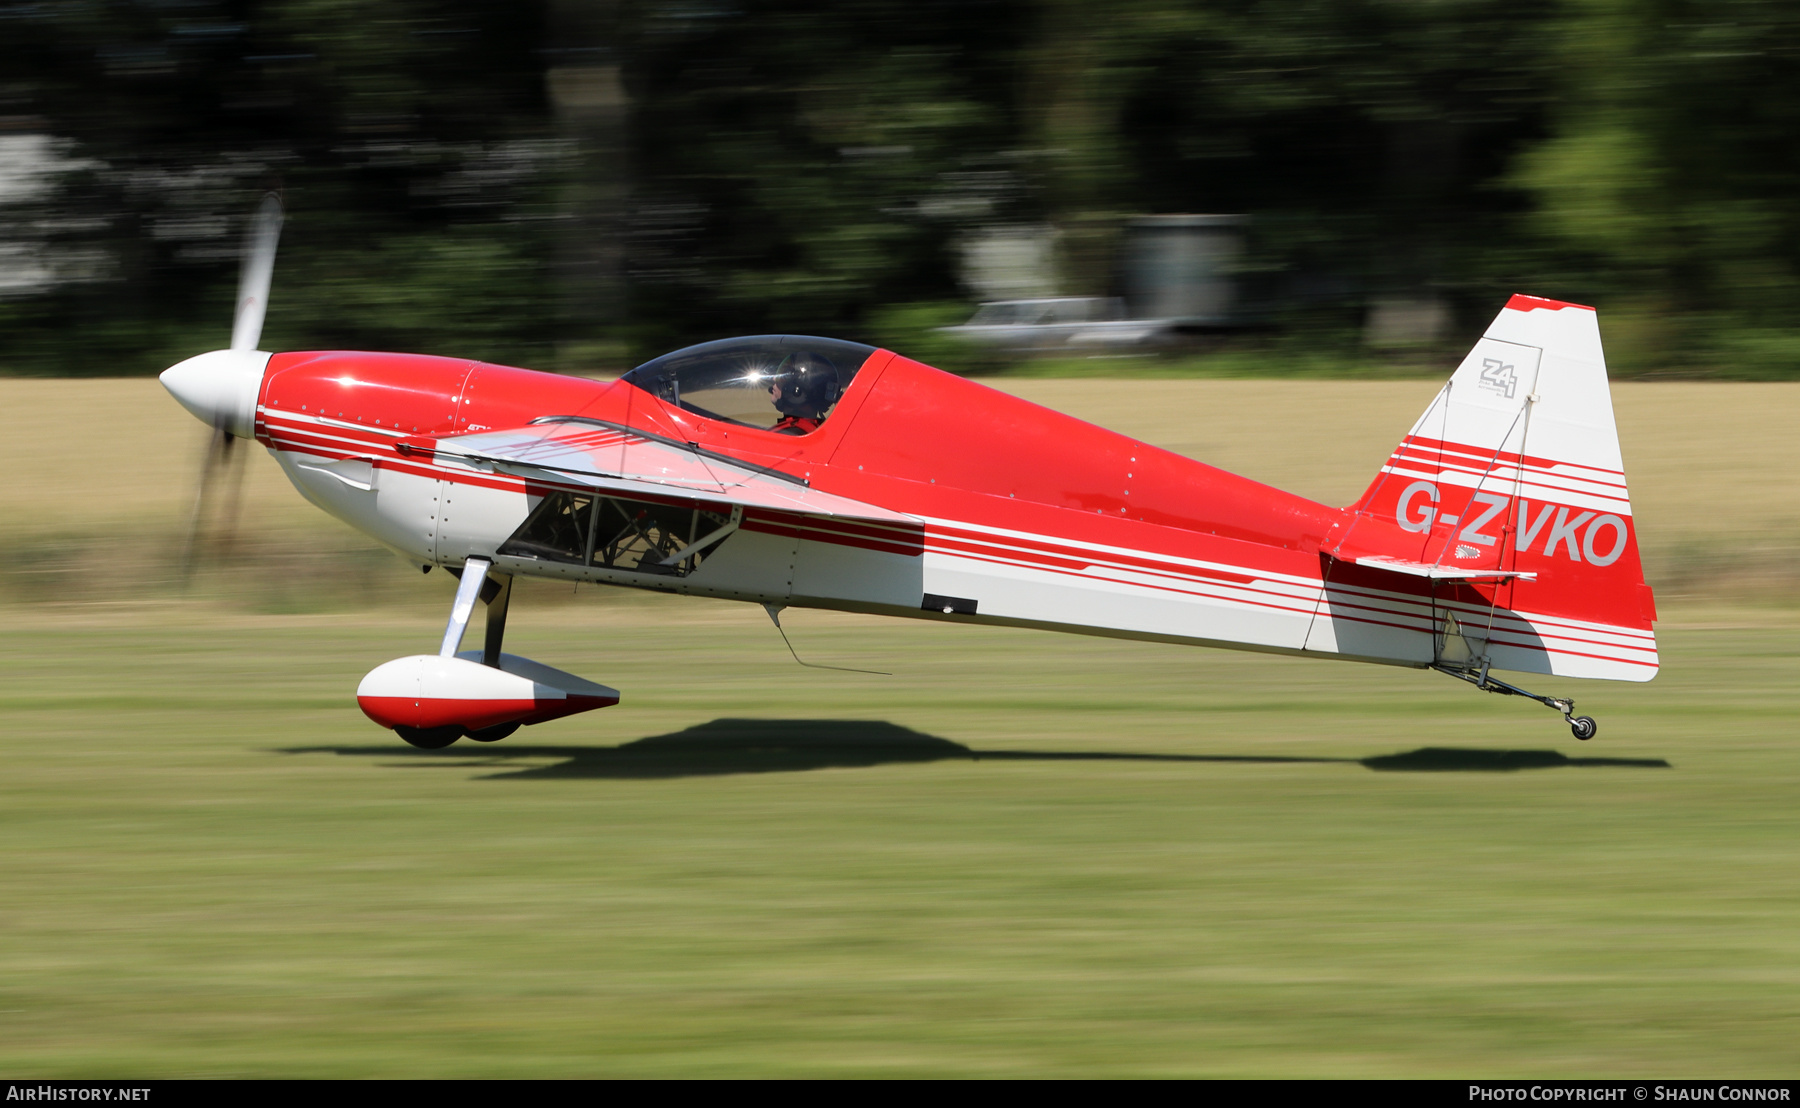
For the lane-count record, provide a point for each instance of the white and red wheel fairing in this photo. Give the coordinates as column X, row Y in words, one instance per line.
column 432, row 690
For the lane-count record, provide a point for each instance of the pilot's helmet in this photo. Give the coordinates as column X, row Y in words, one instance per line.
column 809, row 385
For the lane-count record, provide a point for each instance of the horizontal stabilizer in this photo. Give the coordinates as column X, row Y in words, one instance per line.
column 1438, row 573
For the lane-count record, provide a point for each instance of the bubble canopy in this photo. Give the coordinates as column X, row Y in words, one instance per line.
column 757, row 381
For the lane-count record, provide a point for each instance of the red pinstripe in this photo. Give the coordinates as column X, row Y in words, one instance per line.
column 1432, row 448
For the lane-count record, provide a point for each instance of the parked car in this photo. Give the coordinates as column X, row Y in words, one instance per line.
column 1082, row 322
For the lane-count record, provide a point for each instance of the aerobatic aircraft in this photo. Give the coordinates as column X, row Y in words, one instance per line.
column 792, row 471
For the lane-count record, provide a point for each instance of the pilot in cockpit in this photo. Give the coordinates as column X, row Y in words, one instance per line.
column 803, row 388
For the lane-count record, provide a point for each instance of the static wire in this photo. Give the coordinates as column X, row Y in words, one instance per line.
column 775, row 618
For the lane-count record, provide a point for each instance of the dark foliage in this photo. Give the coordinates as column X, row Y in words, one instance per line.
column 570, row 185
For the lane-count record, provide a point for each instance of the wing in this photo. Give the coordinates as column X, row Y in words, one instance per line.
column 616, row 458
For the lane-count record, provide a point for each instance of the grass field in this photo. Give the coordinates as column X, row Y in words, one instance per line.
column 1022, row 854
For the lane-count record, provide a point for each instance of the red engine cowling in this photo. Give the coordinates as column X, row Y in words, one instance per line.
column 430, row 690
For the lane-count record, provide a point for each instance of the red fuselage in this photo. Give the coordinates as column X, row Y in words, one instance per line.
column 1041, row 518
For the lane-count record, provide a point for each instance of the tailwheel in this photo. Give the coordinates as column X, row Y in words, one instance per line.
column 491, row 734
column 1583, row 727
column 429, row 738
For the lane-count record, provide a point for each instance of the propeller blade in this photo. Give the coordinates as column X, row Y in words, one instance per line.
column 217, row 460
column 197, row 517
column 259, row 268
column 233, row 463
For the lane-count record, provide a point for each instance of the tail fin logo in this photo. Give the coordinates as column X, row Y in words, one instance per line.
column 1497, row 376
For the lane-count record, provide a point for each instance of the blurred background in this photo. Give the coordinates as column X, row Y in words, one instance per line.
column 1033, row 188
column 578, row 186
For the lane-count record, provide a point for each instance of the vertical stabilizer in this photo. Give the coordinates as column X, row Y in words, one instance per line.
column 1508, row 502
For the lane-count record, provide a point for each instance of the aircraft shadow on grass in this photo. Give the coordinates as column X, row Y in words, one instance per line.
column 725, row 746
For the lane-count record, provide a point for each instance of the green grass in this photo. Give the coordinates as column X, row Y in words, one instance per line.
column 1023, row 854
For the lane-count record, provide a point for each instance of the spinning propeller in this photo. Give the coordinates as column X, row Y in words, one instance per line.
column 220, row 387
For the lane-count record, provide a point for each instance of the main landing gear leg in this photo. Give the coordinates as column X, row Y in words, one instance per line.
column 469, row 586
column 432, row 700
column 1583, row 727
column 496, row 618
column 472, row 582
column 495, row 589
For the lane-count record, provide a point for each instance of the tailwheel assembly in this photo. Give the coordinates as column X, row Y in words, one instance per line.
column 1582, row 727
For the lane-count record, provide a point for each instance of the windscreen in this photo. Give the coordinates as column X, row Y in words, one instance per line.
column 785, row 383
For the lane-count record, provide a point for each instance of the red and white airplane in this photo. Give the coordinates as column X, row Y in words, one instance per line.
column 810, row 472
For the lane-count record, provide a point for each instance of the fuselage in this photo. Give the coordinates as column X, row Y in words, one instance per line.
column 1003, row 511
column 1035, row 517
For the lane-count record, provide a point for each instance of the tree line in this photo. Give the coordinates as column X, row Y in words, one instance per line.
column 574, row 185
